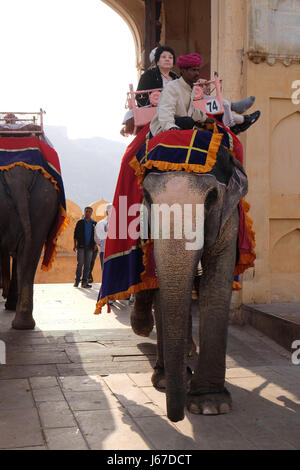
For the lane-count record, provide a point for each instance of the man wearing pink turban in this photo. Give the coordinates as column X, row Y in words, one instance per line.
column 175, row 109
column 189, row 60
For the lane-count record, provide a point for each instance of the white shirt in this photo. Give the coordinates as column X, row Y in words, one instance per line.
column 176, row 99
column 101, row 233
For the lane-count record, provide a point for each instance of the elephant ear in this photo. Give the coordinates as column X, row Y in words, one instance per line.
column 236, row 189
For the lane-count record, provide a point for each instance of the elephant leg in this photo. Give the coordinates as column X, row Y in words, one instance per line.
column 141, row 317
column 158, row 377
column 27, row 266
column 208, row 394
column 12, row 297
column 192, row 347
column 23, row 319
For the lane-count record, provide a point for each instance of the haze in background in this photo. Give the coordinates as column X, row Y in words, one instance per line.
column 75, row 59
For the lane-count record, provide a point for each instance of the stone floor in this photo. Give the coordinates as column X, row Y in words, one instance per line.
column 81, row 381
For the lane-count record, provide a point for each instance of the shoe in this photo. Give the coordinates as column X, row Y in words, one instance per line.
column 90, row 279
column 86, row 285
column 249, row 119
column 76, row 284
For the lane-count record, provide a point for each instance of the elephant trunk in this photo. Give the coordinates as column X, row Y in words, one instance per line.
column 175, row 269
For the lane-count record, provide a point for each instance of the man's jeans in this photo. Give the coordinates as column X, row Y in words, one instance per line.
column 84, row 258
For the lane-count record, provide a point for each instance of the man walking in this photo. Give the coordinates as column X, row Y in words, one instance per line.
column 84, row 244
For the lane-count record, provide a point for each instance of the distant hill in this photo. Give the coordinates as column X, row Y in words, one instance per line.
column 90, row 167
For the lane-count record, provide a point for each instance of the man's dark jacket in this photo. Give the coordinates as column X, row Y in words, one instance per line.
column 79, row 234
column 149, row 80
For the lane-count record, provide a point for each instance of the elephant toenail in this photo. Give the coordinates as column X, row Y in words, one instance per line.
column 209, row 410
column 194, row 408
column 162, row 383
column 224, row 408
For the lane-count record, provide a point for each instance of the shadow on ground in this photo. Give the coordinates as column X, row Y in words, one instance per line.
column 89, row 387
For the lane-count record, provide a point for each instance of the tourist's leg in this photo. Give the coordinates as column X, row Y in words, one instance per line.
column 228, row 119
column 80, row 261
column 88, row 253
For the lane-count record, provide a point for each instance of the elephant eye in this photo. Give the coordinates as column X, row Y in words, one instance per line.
column 211, row 198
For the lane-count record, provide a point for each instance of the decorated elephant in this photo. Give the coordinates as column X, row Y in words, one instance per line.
column 32, row 215
column 29, row 204
column 216, row 226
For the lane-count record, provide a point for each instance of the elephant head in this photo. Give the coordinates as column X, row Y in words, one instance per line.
column 203, row 207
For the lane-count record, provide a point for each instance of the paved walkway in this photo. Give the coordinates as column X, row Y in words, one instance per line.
column 80, row 381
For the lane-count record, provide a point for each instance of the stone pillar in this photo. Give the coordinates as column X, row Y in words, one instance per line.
column 228, row 21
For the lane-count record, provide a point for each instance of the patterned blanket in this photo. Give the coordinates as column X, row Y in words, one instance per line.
column 129, row 264
column 35, row 154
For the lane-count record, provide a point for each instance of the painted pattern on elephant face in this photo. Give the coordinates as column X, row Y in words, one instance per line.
column 176, row 268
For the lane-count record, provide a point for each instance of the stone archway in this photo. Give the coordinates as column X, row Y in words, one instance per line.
column 133, row 13
column 181, row 24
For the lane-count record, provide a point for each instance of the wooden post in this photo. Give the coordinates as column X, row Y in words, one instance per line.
column 152, row 28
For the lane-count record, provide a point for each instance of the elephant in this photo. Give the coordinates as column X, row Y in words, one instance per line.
column 203, row 391
column 29, row 205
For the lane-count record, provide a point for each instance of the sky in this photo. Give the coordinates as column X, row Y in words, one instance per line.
column 73, row 58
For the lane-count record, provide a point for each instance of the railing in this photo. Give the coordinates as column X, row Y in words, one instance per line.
column 11, row 122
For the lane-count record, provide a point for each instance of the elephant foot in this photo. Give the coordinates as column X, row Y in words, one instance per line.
column 158, row 378
column 210, row 403
column 141, row 317
column 21, row 323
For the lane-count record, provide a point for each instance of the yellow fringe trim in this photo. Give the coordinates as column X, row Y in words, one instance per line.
column 32, row 167
column 140, row 168
column 246, row 260
column 236, row 285
column 150, row 284
column 145, row 247
column 63, row 226
column 62, row 210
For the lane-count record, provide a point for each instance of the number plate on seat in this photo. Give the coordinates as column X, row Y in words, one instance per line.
column 212, row 106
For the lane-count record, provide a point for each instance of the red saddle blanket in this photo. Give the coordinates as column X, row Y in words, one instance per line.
column 35, row 154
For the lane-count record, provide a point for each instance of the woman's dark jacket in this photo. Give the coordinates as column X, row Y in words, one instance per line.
column 149, row 80
column 79, row 234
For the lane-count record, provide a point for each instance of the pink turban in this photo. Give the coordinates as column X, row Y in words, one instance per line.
column 189, row 60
